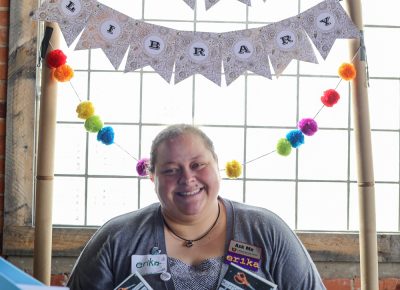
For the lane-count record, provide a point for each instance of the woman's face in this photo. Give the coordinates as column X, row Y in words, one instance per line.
column 186, row 177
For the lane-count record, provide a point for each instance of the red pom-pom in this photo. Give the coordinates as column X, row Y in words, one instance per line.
column 56, row 58
column 330, row 97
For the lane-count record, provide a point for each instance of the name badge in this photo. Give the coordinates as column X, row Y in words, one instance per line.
column 149, row 264
column 244, row 255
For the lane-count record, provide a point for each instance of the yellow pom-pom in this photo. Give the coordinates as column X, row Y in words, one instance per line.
column 63, row 73
column 233, row 169
column 347, row 71
column 85, row 110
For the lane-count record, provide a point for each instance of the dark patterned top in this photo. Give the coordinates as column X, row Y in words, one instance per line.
column 203, row 276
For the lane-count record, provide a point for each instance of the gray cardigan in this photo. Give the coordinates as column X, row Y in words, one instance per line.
column 106, row 260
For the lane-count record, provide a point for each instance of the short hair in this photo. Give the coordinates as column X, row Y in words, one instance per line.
column 174, row 131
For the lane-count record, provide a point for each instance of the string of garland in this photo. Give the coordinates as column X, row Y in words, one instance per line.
column 62, row 72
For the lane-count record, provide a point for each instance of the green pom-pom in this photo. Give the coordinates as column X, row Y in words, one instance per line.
column 283, row 147
column 93, row 124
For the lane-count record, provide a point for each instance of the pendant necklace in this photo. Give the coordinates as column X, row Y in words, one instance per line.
column 189, row 243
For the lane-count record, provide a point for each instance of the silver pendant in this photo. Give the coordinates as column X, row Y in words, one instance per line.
column 188, row 243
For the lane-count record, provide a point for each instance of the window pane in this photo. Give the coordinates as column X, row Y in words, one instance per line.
column 237, row 11
column 271, row 102
column 232, row 189
column 176, row 10
column 278, row 197
column 130, row 8
column 386, row 207
column 109, row 197
column 324, row 156
column 272, row 10
column 116, row 96
column 215, row 107
column 70, row 149
column 376, row 13
column 147, row 192
column 110, row 159
column 261, row 142
column 322, row 206
column 69, row 201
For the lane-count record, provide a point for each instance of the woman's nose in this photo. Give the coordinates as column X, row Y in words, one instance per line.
column 187, row 176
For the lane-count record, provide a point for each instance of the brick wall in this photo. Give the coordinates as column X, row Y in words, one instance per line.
column 4, row 23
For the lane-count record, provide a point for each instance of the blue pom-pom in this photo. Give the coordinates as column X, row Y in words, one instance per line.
column 295, row 137
column 106, row 135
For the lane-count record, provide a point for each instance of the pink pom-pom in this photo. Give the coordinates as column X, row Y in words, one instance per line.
column 330, row 97
column 308, row 126
column 142, row 167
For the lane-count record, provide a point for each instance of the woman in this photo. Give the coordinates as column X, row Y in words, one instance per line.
column 188, row 239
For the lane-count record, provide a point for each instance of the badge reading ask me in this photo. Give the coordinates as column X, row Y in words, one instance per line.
column 149, row 264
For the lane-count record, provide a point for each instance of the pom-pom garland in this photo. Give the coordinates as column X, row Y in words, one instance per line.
column 308, row 126
column 93, row 124
column 330, row 97
column 56, row 58
column 233, row 169
column 347, row 71
column 63, row 73
column 283, row 147
column 142, row 167
column 295, row 137
column 85, row 110
column 106, row 135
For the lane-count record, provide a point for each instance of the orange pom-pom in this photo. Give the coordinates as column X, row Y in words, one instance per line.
column 347, row 71
column 63, row 73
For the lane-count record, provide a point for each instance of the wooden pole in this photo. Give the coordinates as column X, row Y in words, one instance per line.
column 365, row 171
column 45, row 170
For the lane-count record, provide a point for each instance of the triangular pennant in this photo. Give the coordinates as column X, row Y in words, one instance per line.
column 191, row 3
column 210, row 3
column 111, row 31
column 198, row 52
column 71, row 15
column 247, row 2
column 285, row 41
column 243, row 50
column 152, row 45
column 326, row 22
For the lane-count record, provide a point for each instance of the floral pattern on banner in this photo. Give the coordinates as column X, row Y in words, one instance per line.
column 152, row 45
column 71, row 16
column 327, row 22
column 111, row 31
column 285, row 41
column 243, row 50
column 200, row 52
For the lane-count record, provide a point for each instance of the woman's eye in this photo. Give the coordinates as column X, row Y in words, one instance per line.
column 198, row 165
column 170, row 171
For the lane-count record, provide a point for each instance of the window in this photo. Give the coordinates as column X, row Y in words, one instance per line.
column 95, row 182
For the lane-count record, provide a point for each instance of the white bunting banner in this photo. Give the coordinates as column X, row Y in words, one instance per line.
column 327, row 22
column 111, row 31
column 285, row 41
column 198, row 52
column 152, row 45
column 71, row 15
column 243, row 50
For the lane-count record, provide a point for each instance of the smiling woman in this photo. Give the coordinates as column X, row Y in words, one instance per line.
column 192, row 232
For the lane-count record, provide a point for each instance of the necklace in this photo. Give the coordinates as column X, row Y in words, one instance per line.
column 189, row 243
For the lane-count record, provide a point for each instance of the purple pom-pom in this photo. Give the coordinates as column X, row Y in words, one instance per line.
column 308, row 126
column 106, row 135
column 295, row 137
column 142, row 166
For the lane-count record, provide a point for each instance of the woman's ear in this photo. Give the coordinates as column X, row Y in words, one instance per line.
column 151, row 175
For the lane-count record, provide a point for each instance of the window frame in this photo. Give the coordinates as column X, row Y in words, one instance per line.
column 22, row 103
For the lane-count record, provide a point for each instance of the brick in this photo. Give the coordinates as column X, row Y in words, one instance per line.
column 4, row 18
column 58, row 280
column 3, row 54
column 5, row 3
column 3, row 108
column 3, row 71
column 2, row 187
column 389, row 284
column 3, row 36
column 3, row 90
column 2, row 127
column 337, row 284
